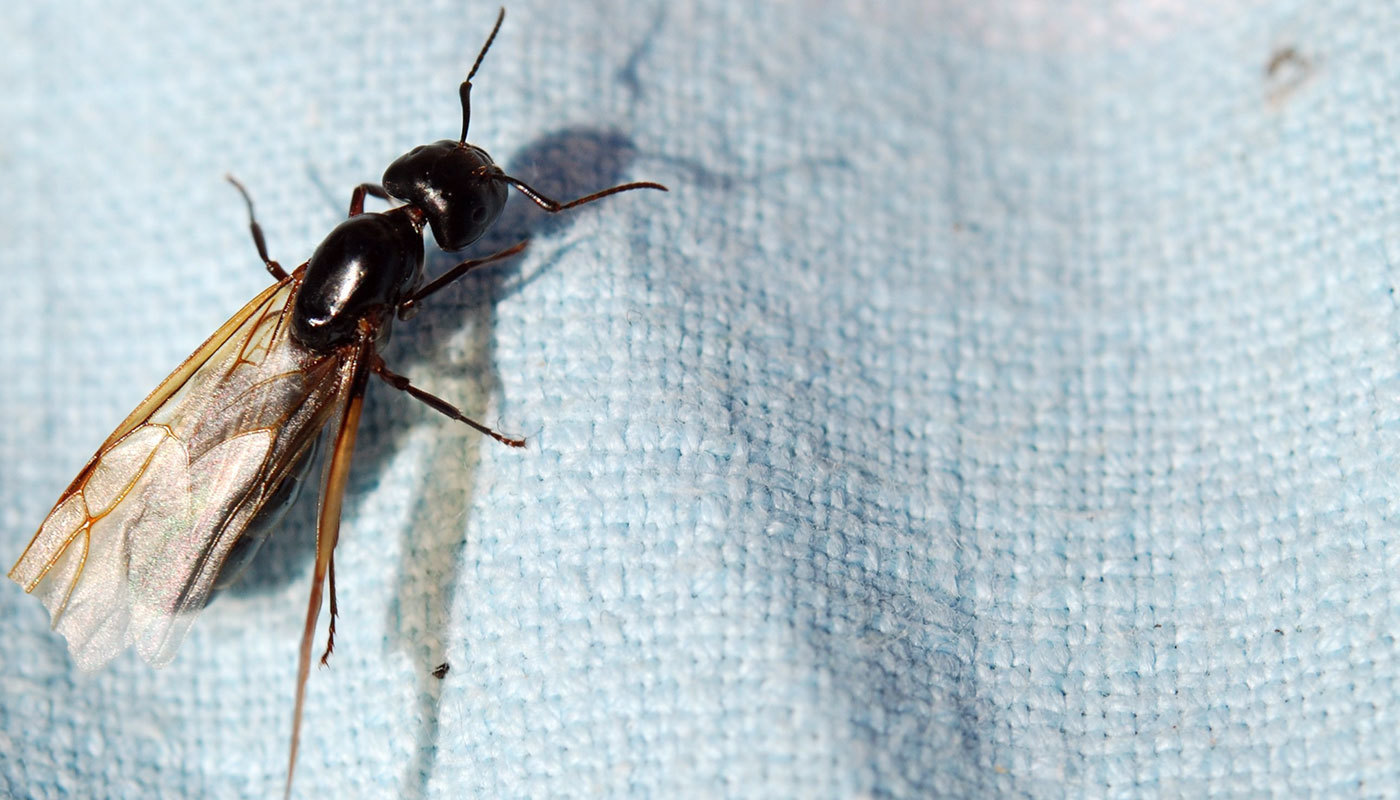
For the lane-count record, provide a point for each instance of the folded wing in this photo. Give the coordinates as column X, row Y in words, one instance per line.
column 130, row 552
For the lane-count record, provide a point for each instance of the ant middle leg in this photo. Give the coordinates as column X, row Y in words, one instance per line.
column 436, row 403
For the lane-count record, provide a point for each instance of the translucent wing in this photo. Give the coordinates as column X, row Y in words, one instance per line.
column 131, row 550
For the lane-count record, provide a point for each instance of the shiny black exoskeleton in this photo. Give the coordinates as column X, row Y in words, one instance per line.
column 366, row 272
column 367, row 265
column 370, row 267
column 458, row 187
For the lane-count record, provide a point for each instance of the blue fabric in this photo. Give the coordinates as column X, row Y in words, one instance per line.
column 1005, row 401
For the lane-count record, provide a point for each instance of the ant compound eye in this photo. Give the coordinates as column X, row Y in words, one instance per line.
column 452, row 184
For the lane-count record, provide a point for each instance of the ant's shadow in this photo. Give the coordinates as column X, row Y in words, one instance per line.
column 564, row 165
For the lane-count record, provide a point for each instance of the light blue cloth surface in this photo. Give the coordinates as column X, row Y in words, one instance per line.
column 1002, row 403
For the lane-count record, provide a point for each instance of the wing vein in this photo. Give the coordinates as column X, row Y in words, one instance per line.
column 242, row 410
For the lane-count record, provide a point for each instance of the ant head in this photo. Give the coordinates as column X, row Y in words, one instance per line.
column 455, row 186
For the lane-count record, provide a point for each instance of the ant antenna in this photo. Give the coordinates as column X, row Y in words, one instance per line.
column 465, row 90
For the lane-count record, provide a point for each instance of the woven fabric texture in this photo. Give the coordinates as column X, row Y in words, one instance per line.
column 1004, row 401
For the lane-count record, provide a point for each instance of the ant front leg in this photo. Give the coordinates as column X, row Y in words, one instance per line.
column 409, row 307
column 357, row 197
column 273, row 267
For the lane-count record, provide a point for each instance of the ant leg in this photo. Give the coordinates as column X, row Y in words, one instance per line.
column 436, row 403
column 330, row 635
column 273, row 267
column 357, row 197
column 409, row 307
column 554, row 206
